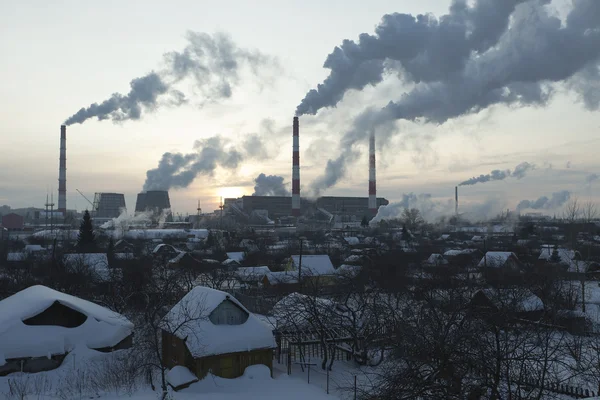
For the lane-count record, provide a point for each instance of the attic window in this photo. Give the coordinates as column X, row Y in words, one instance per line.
column 228, row 313
column 57, row 315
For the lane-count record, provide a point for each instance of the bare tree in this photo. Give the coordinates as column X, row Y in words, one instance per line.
column 589, row 212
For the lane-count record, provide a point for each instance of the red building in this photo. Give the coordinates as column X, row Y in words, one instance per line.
column 12, row 222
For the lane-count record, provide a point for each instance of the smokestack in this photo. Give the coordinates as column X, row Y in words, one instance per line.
column 62, row 172
column 296, row 170
column 372, row 176
column 456, row 200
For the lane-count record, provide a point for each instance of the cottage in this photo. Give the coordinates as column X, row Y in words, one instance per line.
column 499, row 259
column 209, row 330
column 436, row 260
column 40, row 326
column 313, row 265
column 96, row 263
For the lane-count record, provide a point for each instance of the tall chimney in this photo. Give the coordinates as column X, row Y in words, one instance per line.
column 372, row 176
column 456, row 200
column 296, row 169
column 62, row 172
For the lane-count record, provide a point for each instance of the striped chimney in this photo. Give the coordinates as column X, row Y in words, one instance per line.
column 372, row 176
column 62, row 172
column 296, row 170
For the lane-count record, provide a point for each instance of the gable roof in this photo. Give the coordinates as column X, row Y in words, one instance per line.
column 436, row 259
column 236, row 255
column 202, row 337
column 496, row 259
column 103, row 327
column 316, row 265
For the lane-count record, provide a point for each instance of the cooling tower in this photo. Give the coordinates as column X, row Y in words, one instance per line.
column 108, row 205
column 153, row 200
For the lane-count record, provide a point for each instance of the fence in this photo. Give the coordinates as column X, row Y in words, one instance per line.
column 572, row 391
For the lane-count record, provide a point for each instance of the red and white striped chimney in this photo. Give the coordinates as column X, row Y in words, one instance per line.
column 296, row 170
column 62, row 172
column 372, row 176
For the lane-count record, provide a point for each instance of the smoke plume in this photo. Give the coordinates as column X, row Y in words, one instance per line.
column 213, row 62
column 177, row 170
column 467, row 61
column 544, row 203
column 591, row 178
column 269, row 185
column 498, row 175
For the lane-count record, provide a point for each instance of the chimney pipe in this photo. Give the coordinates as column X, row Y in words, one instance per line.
column 372, row 176
column 62, row 172
column 296, row 169
column 456, row 200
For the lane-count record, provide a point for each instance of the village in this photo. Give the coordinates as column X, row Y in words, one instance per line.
column 511, row 305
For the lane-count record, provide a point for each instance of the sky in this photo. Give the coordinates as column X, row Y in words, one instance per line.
column 60, row 57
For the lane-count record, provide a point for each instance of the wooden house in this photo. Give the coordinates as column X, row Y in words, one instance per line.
column 210, row 331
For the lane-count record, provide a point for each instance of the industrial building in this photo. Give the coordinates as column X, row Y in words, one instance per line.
column 280, row 206
column 152, row 200
column 108, row 205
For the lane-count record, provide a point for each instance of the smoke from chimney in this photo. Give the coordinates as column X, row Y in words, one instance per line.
column 466, row 61
column 372, row 176
column 498, row 175
column 269, row 185
column 213, row 62
column 62, row 172
column 544, row 203
column 296, row 168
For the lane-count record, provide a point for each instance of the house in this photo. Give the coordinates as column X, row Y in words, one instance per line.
column 314, row 265
column 507, row 303
column 13, row 222
column 40, row 326
column 96, row 263
column 209, row 330
column 436, row 260
column 252, row 276
column 236, row 255
column 230, row 263
column 31, row 251
column 499, row 259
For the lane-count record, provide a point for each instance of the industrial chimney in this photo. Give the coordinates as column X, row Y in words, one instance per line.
column 456, row 200
column 296, row 170
column 372, row 176
column 62, row 172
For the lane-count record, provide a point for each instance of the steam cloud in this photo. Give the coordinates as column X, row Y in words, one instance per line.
column 591, row 178
column 497, row 175
column 177, row 170
column 269, row 185
column 544, row 203
column 213, row 62
column 464, row 62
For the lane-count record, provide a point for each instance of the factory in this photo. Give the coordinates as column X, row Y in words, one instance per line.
column 246, row 209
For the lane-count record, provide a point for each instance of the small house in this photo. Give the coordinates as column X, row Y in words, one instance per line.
column 210, row 331
column 40, row 326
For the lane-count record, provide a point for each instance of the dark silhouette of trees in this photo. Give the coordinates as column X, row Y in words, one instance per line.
column 86, row 241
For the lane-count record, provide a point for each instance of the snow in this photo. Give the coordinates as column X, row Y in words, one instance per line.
column 252, row 273
column 496, row 259
column 257, row 372
column 567, row 257
column 178, row 376
column 166, row 233
column 33, row 248
column 236, row 255
column 203, row 338
column 436, row 259
column 348, row 270
column 230, row 263
column 103, row 328
column 279, row 277
column 353, row 259
column 314, row 264
column 459, row 252
column 352, row 240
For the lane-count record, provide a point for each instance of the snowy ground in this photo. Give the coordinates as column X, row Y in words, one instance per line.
column 73, row 380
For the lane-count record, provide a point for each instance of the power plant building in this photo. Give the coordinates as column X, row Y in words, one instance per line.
column 108, row 205
column 152, row 200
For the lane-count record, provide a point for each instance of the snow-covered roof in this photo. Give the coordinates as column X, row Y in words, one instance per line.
column 279, row 277
column 521, row 300
column 352, row 240
column 347, row 270
column 34, row 247
column 165, row 233
column 252, row 273
column 98, row 262
column 436, row 259
column 496, row 259
column 477, row 239
column 164, row 247
column 314, row 264
column 354, row 258
column 124, row 256
column 102, row 328
column 202, row 337
column 180, row 376
column 236, row 255
column 230, row 262
column 444, row 237
column 459, row 252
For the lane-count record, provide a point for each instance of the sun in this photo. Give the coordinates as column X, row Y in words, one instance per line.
column 231, row 192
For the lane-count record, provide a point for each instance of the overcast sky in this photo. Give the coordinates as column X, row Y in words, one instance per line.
column 60, row 56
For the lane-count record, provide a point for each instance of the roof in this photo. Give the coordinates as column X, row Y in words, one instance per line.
column 230, row 262
column 496, row 259
column 349, row 271
column 180, row 376
column 279, row 277
column 103, row 327
column 202, row 337
column 521, row 300
column 436, row 259
column 459, row 252
column 252, row 273
column 98, row 262
column 352, row 240
column 314, row 264
column 236, row 255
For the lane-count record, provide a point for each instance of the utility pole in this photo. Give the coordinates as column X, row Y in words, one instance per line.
column 51, row 205
column 199, row 210
column 221, row 206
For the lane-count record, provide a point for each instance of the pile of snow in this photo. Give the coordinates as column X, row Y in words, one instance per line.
column 180, row 376
column 352, row 240
column 102, row 328
column 202, row 337
column 257, row 372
